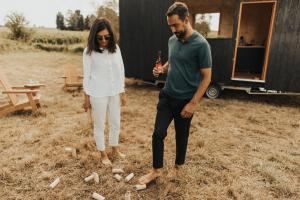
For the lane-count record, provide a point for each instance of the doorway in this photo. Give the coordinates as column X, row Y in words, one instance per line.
column 254, row 34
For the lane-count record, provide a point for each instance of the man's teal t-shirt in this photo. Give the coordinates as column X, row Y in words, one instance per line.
column 185, row 61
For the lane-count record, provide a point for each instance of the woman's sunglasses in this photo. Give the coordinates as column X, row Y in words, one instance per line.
column 104, row 37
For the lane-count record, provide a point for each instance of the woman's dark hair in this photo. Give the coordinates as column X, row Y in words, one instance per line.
column 100, row 25
column 180, row 9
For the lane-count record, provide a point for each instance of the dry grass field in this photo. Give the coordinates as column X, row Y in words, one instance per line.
column 240, row 147
column 48, row 39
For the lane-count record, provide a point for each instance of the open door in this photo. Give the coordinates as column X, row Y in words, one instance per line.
column 254, row 33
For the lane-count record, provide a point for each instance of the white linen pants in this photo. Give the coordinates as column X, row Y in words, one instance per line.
column 101, row 106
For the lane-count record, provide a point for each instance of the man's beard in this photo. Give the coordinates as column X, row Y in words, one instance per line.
column 181, row 34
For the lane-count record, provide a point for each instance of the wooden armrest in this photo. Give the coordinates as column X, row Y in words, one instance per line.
column 34, row 85
column 18, row 87
column 19, row 91
column 79, row 76
column 26, row 86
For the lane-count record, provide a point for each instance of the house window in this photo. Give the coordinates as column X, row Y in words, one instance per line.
column 208, row 24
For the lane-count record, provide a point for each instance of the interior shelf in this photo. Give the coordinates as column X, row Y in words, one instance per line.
column 251, row 46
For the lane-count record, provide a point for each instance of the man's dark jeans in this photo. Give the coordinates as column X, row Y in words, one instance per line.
column 169, row 108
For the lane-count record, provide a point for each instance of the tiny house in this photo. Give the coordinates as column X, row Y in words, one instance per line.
column 256, row 48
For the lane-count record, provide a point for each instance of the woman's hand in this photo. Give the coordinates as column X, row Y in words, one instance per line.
column 87, row 104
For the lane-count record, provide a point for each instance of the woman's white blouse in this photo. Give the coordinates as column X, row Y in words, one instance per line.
column 103, row 73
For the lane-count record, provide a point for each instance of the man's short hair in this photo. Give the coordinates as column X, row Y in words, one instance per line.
column 178, row 8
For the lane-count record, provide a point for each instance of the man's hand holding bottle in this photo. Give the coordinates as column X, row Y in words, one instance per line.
column 159, row 68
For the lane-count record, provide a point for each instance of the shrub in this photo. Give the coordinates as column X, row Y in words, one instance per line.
column 16, row 22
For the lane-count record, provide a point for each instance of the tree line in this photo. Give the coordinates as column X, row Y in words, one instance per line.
column 75, row 21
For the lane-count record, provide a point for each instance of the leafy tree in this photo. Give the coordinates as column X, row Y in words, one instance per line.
column 92, row 19
column 73, row 20
column 80, row 25
column 202, row 24
column 17, row 23
column 60, row 21
column 203, row 28
column 109, row 13
column 87, row 22
column 112, row 4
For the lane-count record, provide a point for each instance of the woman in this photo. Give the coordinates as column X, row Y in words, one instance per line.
column 103, row 81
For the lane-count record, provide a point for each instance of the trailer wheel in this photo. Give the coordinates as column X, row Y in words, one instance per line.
column 213, row 91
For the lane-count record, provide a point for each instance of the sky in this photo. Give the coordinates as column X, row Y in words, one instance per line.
column 43, row 12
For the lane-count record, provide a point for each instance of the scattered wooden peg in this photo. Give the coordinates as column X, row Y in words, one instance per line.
column 118, row 171
column 89, row 178
column 54, row 183
column 118, row 177
column 96, row 177
column 129, row 177
column 140, row 187
column 98, row 196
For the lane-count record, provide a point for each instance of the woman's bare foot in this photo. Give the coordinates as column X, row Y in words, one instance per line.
column 117, row 152
column 151, row 176
column 104, row 159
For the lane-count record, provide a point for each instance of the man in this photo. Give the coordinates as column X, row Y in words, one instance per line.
column 189, row 75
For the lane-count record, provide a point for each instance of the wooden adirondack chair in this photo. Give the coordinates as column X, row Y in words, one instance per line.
column 15, row 104
column 73, row 79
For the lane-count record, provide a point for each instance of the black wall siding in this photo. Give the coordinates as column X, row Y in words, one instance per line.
column 222, row 54
column 155, row 37
column 129, row 36
column 283, row 71
column 144, row 31
column 294, row 81
column 286, row 57
column 276, row 44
